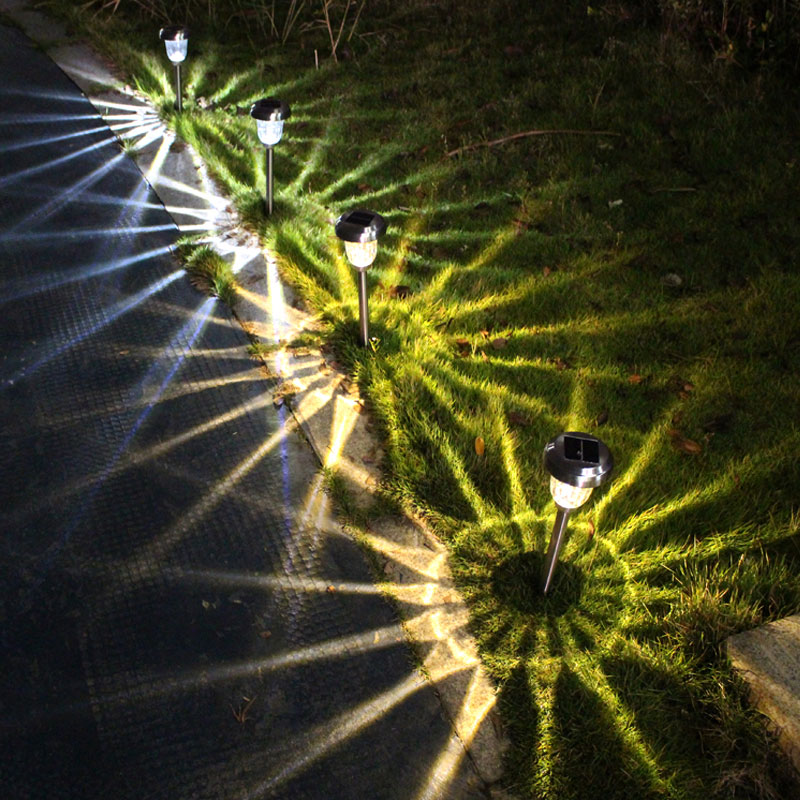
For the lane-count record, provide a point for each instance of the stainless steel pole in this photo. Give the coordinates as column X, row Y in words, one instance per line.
column 269, row 180
column 363, row 311
column 556, row 540
column 178, row 90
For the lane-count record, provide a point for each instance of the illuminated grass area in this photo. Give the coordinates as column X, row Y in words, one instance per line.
column 640, row 287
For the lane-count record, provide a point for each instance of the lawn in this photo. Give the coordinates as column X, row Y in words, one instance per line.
column 628, row 270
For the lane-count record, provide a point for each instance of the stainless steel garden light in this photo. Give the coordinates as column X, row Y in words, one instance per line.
column 360, row 231
column 270, row 114
column 577, row 463
column 176, row 39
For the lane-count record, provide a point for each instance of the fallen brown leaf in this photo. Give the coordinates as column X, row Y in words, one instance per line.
column 480, row 447
column 591, row 529
column 499, row 343
column 680, row 442
column 635, row 378
column 515, row 418
column 602, row 418
column 464, row 347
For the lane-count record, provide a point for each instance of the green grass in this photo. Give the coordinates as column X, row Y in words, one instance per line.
column 209, row 272
column 539, row 303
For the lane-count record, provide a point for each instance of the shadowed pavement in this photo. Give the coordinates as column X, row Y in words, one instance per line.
column 180, row 616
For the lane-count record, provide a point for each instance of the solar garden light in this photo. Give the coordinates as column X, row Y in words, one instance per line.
column 577, row 462
column 269, row 114
column 176, row 38
column 360, row 231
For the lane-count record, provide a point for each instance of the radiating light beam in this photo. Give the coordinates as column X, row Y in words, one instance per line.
column 181, row 344
column 294, row 583
column 56, row 162
column 49, row 119
column 278, row 316
column 327, row 736
column 70, row 194
column 161, row 685
column 134, row 459
column 214, row 200
column 468, row 722
column 154, row 170
column 110, row 316
column 50, row 139
column 150, row 559
column 57, row 279
column 85, row 233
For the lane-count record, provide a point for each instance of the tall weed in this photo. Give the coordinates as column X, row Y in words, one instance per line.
column 746, row 32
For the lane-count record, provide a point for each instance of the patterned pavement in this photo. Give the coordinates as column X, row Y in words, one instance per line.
column 180, row 618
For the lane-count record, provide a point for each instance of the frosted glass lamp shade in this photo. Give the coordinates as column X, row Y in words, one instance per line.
column 569, row 497
column 361, row 254
column 269, row 131
column 177, row 49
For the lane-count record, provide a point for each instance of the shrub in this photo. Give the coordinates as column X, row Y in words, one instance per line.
column 279, row 20
column 747, row 32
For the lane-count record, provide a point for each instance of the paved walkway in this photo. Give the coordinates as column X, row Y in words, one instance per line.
column 180, row 618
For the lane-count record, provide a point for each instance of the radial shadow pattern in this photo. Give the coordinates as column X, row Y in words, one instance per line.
column 176, row 623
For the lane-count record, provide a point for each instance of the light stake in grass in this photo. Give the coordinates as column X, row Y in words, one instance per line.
column 269, row 114
column 360, row 231
column 577, row 462
column 176, row 39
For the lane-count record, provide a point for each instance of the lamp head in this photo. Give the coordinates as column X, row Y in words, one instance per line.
column 577, row 463
column 176, row 39
column 269, row 114
column 360, row 231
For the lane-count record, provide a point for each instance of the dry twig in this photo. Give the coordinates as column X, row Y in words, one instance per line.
column 241, row 714
column 526, row 134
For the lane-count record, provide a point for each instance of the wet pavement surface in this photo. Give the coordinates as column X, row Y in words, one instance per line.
column 180, row 617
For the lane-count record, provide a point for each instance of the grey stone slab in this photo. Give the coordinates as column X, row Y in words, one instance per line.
column 768, row 658
column 81, row 64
